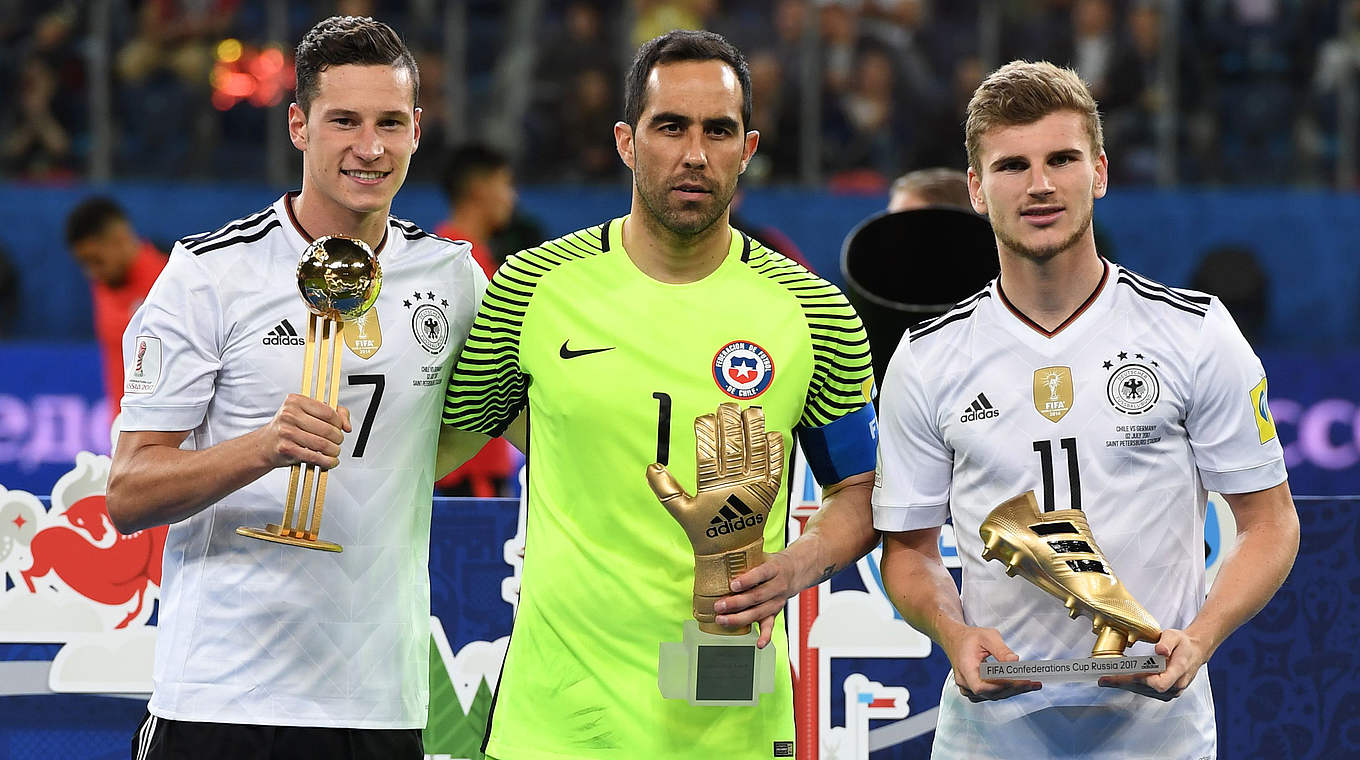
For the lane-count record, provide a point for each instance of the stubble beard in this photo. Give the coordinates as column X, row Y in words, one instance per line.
column 1045, row 253
column 674, row 217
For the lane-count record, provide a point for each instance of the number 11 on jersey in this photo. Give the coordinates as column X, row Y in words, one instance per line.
column 1045, row 449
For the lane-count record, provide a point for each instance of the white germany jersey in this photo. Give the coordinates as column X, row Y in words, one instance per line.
column 262, row 633
column 1134, row 407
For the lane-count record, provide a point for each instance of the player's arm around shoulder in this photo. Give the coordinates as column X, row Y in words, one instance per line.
column 154, row 482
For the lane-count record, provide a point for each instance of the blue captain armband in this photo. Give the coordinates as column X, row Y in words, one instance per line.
column 844, row 447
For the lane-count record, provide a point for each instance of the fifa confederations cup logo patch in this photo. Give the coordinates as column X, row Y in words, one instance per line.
column 743, row 370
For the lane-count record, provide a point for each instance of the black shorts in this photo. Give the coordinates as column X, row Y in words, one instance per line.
column 161, row 739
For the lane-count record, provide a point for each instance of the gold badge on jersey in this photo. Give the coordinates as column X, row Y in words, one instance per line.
column 1053, row 392
column 364, row 335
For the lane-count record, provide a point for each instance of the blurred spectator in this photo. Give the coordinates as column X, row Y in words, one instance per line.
column 1338, row 60
column 872, row 135
column 35, row 144
column 574, row 102
column 925, row 188
column 579, row 42
column 897, row 26
column 1037, row 30
column 656, row 17
column 572, row 142
column 434, row 135
column 176, row 36
column 121, row 268
column 1093, row 43
column 1134, row 98
column 1258, row 53
column 479, row 185
column 838, row 26
column 163, row 74
column 941, row 131
column 775, row 115
column 788, row 17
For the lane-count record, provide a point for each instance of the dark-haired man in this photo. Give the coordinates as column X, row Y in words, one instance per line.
column 480, row 186
column 266, row 650
column 121, row 268
column 615, row 338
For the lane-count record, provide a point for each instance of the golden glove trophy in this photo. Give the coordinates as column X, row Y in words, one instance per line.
column 339, row 279
column 1056, row 552
column 739, row 468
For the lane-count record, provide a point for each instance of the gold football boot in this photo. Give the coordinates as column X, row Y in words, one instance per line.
column 1056, row 552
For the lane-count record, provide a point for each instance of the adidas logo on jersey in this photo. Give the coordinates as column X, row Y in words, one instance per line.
column 734, row 516
column 980, row 409
column 283, row 334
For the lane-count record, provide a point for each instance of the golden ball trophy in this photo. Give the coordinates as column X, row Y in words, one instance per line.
column 339, row 279
column 739, row 469
column 1056, row 552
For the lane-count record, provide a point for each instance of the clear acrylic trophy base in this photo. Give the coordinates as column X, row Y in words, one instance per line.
column 714, row 669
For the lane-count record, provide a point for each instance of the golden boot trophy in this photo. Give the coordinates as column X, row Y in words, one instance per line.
column 1056, row 552
column 339, row 279
column 739, row 470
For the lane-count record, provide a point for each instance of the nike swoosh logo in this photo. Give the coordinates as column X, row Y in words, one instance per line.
column 567, row 353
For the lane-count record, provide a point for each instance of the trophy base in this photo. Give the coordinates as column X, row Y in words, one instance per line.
column 712, row 669
column 1081, row 669
column 276, row 534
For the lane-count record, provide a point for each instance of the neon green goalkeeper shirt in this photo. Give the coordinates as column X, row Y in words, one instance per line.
column 614, row 367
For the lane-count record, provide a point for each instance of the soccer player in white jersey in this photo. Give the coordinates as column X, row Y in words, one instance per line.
column 1100, row 390
column 266, row 650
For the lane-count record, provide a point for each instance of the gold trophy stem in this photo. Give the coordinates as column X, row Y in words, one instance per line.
column 1110, row 642
column 293, row 472
column 331, row 399
column 309, row 478
column 323, row 383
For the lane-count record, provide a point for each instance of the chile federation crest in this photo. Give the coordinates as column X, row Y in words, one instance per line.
column 743, row 370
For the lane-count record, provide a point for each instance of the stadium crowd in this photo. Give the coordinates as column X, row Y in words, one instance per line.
column 1258, row 82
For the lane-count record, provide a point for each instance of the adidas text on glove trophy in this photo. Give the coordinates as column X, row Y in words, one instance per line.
column 739, row 469
column 1056, row 552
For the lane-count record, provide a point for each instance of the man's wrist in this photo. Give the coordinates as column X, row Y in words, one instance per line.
column 809, row 566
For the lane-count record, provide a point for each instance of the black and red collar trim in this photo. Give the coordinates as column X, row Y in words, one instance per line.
column 288, row 206
column 1100, row 286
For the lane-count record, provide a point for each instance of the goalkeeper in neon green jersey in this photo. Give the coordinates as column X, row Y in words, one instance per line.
column 615, row 338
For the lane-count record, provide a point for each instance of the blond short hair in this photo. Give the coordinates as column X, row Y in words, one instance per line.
column 1023, row 92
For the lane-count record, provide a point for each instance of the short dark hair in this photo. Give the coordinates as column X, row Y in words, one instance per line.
column 341, row 40
column 468, row 162
column 91, row 217
column 682, row 45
